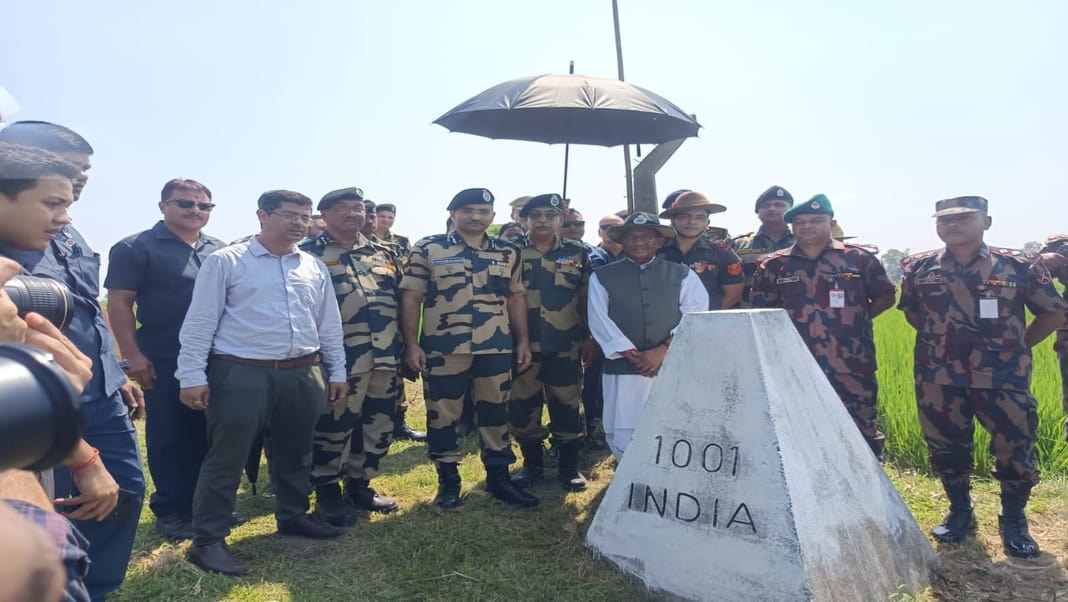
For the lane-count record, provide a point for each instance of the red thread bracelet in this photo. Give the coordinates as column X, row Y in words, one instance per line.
column 86, row 463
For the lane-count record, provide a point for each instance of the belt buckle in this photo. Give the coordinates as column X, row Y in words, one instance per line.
column 276, row 363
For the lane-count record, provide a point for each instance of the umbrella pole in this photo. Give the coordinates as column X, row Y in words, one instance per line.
column 567, row 146
column 626, row 147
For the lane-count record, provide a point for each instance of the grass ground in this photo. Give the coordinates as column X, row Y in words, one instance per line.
column 486, row 551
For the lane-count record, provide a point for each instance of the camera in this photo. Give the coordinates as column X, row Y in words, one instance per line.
column 40, row 420
column 47, row 297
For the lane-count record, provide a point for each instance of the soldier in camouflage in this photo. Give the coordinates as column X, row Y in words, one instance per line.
column 832, row 291
column 712, row 233
column 474, row 319
column 385, row 214
column 555, row 274
column 352, row 437
column 1055, row 256
column 973, row 360
column 715, row 263
column 773, row 234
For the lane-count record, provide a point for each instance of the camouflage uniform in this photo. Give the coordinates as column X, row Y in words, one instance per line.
column 399, row 244
column 751, row 247
column 467, row 338
column 717, row 234
column 840, row 339
column 1058, row 243
column 556, row 292
column 967, row 366
column 354, row 435
column 715, row 263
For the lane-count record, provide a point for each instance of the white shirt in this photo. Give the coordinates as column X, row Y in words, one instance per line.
column 692, row 297
column 252, row 304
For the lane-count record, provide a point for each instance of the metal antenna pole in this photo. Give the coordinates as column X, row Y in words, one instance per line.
column 567, row 146
column 626, row 147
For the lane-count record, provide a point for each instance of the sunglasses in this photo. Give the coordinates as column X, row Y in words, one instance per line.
column 187, row 204
column 574, row 224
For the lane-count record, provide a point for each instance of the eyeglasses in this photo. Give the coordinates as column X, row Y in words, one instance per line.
column 578, row 224
column 187, row 204
column 303, row 218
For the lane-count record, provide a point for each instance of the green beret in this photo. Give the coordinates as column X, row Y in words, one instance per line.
column 817, row 205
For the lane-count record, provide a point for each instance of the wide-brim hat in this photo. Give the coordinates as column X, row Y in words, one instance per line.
column 838, row 233
column 639, row 219
column 691, row 200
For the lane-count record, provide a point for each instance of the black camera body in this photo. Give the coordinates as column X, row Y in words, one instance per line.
column 40, row 416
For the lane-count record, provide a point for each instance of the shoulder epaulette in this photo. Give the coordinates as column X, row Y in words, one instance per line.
column 1021, row 256
column 432, row 238
column 773, row 255
column 741, row 236
column 873, row 249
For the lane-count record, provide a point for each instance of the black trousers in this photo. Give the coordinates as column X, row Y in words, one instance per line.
column 177, row 439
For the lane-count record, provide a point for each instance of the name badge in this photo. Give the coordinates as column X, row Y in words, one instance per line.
column 988, row 307
column 931, row 280
column 446, row 260
column 837, row 299
column 788, row 280
column 332, row 261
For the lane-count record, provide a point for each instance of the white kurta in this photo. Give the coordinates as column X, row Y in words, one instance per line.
column 625, row 394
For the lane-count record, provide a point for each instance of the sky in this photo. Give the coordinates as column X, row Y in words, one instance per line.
column 884, row 107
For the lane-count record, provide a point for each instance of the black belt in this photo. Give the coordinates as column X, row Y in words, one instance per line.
column 294, row 362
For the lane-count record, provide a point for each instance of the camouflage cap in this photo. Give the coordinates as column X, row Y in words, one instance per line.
column 817, row 205
column 669, row 200
column 775, row 193
column 639, row 219
column 692, row 200
column 342, row 194
column 552, row 201
column 471, row 196
column 960, row 204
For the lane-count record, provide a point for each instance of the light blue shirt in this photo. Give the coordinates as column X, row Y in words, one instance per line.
column 252, row 304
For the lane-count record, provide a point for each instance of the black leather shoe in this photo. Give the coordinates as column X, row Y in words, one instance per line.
column 533, row 465
column 363, row 496
column 216, row 558
column 500, row 486
column 957, row 525
column 310, row 527
column 448, row 496
column 569, row 476
column 332, row 507
column 236, row 518
column 1015, row 537
column 175, row 526
column 403, row 431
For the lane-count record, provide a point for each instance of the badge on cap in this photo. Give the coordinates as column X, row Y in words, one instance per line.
column 486, row 196
column 640, row 219
column 780, row 192
column 359, row 191
column 554, row 200
column 814, row 204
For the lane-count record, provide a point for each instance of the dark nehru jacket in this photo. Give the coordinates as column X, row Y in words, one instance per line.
column 643, row 303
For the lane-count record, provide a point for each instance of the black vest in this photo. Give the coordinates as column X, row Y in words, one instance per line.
column 644, row 304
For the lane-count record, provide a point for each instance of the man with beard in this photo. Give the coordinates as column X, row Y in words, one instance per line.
column 773, row 234
column 154, row 270
column 260, row 339
column 474, row 326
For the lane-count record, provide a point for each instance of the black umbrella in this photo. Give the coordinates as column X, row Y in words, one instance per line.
column 571, row 109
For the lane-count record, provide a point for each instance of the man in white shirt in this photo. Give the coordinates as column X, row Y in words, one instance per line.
column 261, row 337
column 635, row 305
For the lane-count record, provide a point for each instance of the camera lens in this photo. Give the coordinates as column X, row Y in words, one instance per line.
column 40, row 421
column 47, row 297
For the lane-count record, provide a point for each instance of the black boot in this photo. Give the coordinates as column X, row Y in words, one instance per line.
column 533, row 465
column 361, row 495
column 594, row 440
column 960, row 522
column 448, row 486
column 332, row 507
column 500, row 486
column 1012, row 524
column 569, row 476
column 401, row 430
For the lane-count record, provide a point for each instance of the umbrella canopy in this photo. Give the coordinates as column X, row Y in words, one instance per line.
column 574, row 109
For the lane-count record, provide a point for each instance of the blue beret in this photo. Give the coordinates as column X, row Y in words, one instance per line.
column 471, row 196
column 669, row 200
column 775, row 193
column 542, row 200
column 335, row 196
